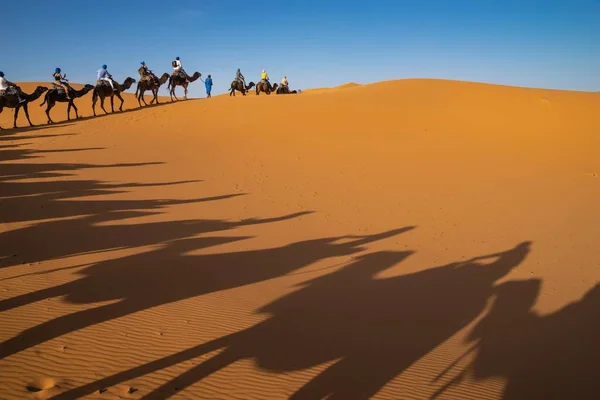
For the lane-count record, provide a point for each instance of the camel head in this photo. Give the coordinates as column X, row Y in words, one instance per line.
column 195, row 76
column 88, row 87
column 275, row 86
column 164, row 77
column 128, row 82
column 40, row 89
column 250, row 85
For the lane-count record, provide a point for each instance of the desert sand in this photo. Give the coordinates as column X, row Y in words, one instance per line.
column 412, row 239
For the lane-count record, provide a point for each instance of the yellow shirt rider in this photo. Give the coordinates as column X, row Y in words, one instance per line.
column 264, row 76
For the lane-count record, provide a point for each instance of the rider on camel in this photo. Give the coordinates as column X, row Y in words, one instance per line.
column 264, row 77
column 104, row 75
column 7, row 87
column 240, row 78
column 178, row 69
column 61, row 81
column 284, row 82
column 145, row 73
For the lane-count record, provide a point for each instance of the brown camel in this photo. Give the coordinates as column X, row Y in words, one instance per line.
column 265, row 87
column 11, row 101
column 150, row 84
column 58, row 95
column 178, row 80
column 285, row 90
column 104, row 90
column 235, row 85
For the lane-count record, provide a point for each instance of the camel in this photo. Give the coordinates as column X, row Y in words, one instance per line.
column 104, row 90
column 265, row 87
column 56, row 95
column 285, row 90
column 235, row 85
column 177, row 80
column 152, row 85
column 11, row 101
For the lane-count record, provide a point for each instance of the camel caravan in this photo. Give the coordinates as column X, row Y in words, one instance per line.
column 11, row 95
column 264, row 86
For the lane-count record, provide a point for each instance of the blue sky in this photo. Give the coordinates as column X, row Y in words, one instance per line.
column 551, row 44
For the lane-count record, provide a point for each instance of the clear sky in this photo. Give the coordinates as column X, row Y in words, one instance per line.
column 550, row 44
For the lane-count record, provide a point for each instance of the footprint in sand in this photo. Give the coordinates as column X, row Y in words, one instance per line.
column 43, row 387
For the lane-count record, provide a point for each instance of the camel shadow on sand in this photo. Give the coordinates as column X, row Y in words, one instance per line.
column 371, row 328
column 554, row 356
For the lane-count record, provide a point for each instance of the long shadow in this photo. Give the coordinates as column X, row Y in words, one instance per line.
column 83, row 118
column 27, row 201
column 85, row 235
column 372, row 329
column 554, row 356
column 80, row 231
column 131, row 279
column 6, row 137
column 21, row 170
column 6, row 132
column 16, row 154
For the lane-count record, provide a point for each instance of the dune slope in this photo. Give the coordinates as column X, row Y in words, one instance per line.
column 406, row 239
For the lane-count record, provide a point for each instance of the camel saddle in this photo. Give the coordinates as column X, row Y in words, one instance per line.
column 180, row 74
column 150, row 78
column 102, row 83
column 59, row 88
column 10, row 91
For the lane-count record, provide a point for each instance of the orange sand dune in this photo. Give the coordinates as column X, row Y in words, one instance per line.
column 407, row 239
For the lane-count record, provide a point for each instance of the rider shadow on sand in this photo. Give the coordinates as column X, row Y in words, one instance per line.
column 555, row 356
column 138, row 281
column 371, row 328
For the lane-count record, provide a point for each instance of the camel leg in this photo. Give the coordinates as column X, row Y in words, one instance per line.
column 139, row 95
column 1, row 108
column 48, row 108
column 185, row 92
column 155, row 99
column 94, row 100
column 69, row 111
column 26, row 109
column 122, row 101
column 75, row 108
column 102, row 105
column 112, row 103
column 17, row 108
